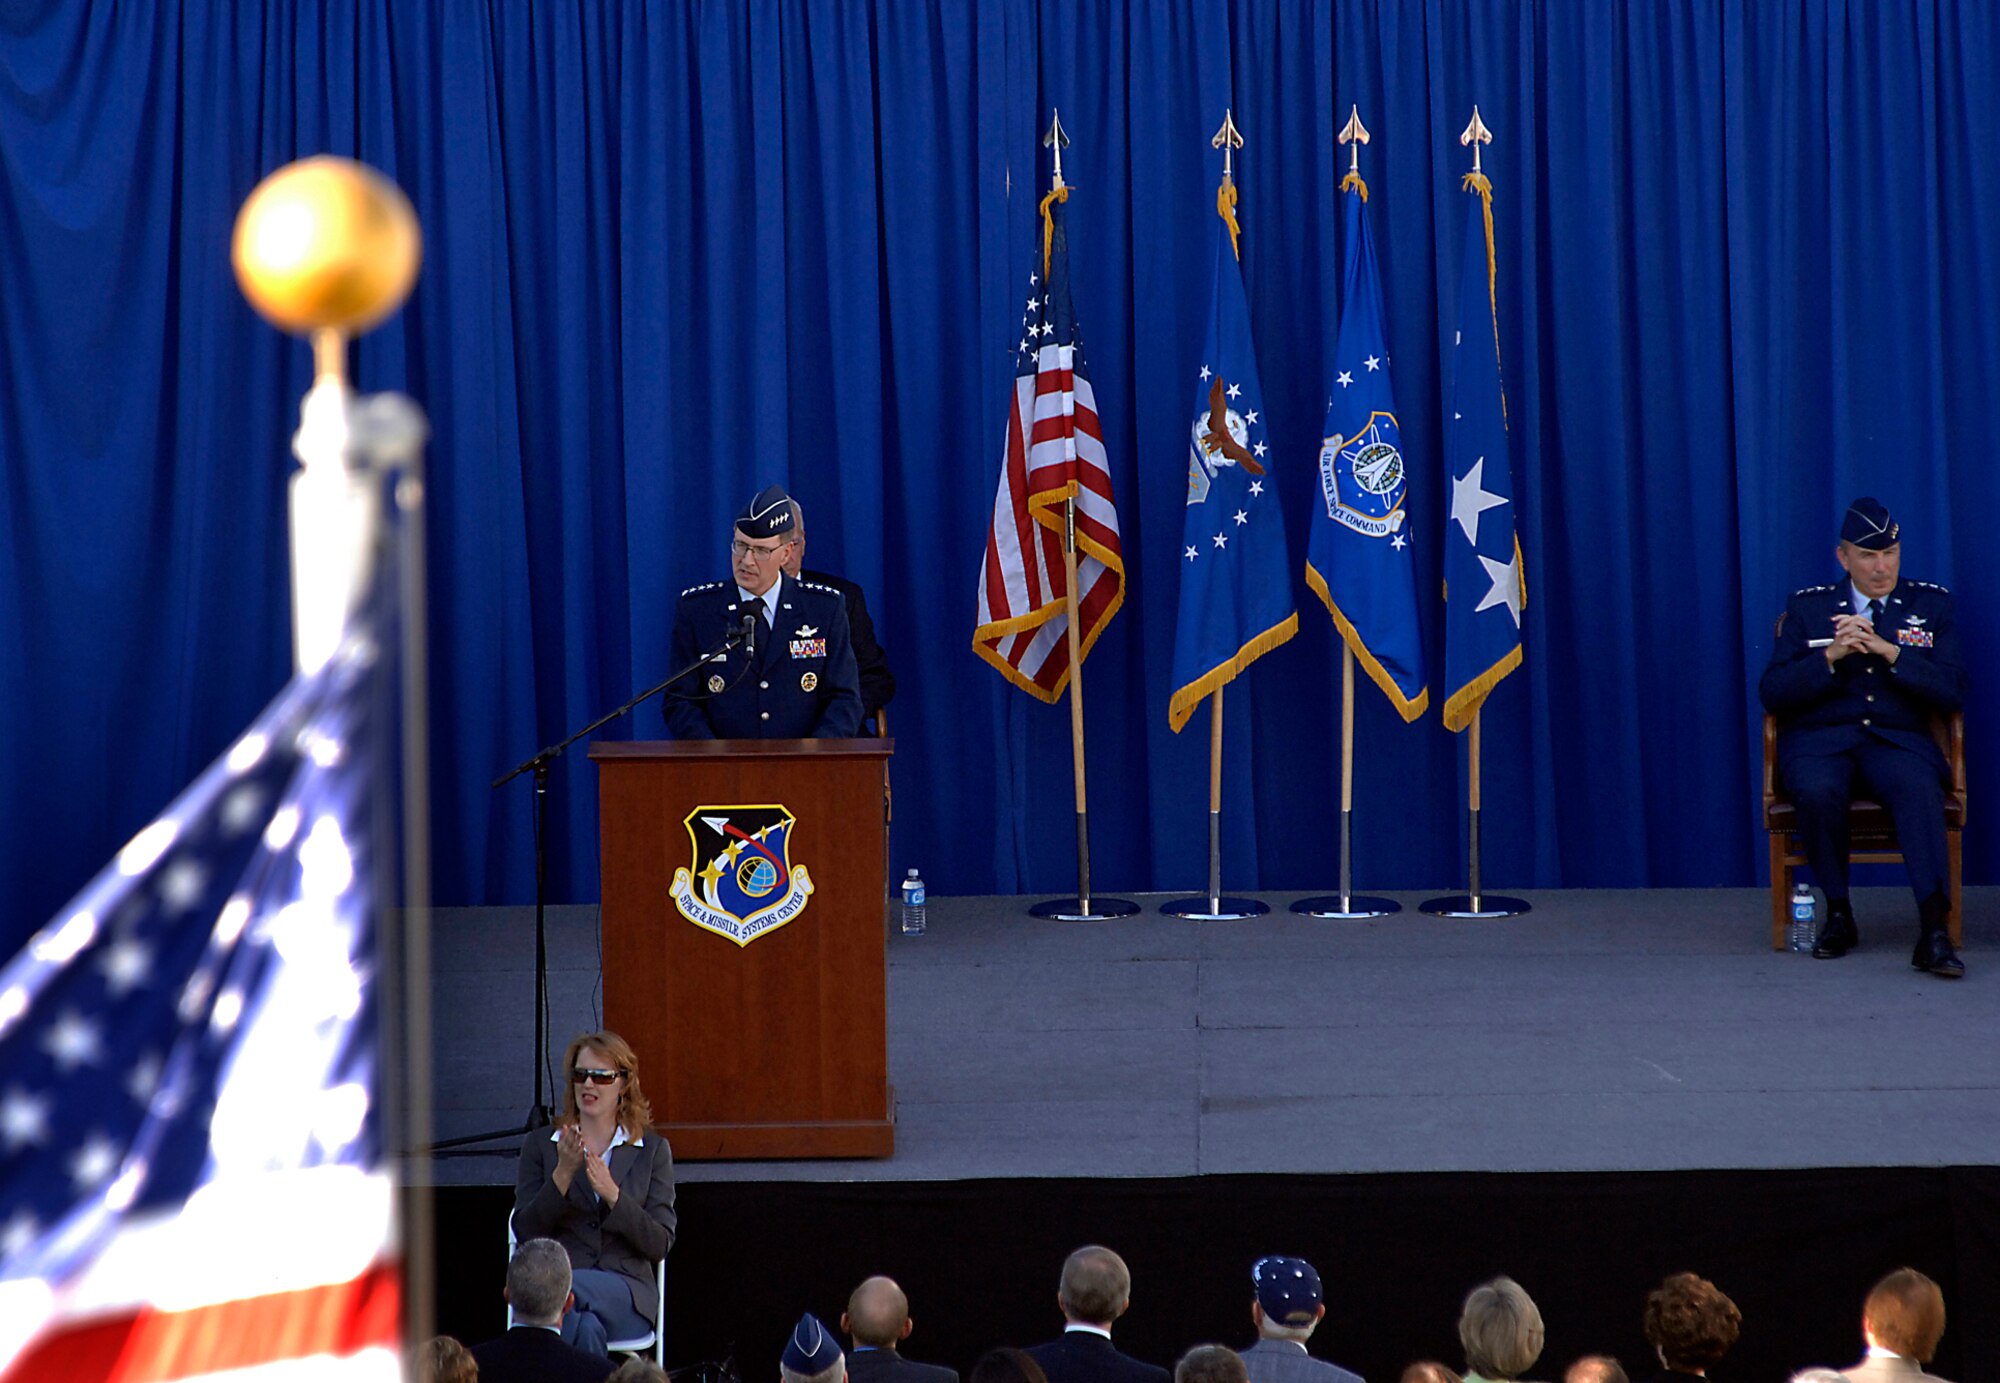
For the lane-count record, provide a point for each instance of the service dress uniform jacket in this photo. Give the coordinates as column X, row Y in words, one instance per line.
column 627, row 1238
column 878, row 684
column 530, row 1354
column 888, row 1366
column 1862, row 697
column 799, row 682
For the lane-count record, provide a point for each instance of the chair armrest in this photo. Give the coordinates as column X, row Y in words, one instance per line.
column 1770, row 759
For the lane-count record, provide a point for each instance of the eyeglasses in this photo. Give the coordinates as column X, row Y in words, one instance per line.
column 739, row 548
column 582, row 1075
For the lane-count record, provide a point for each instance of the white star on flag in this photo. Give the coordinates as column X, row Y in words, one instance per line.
column 1506, row 590
column 1192, row 553
column 1470, row 499
column 72, row 1041
column 1234, row 390
column 125, row 966
column 1206, row 372
column 1343, row 379
column 94, row 1162
column 1373, row 363
column 1251, row 416
column 24, row 1120
column 1242, row 517
column 1222, row 540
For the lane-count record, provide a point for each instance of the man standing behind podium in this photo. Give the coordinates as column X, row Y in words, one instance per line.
column 796, row 679
column 878, row 684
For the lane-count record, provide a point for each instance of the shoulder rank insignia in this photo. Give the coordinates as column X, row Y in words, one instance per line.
column 704, row 586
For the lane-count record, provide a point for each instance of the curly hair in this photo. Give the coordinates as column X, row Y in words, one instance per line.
column 1691, row 1322
column 634, row 1112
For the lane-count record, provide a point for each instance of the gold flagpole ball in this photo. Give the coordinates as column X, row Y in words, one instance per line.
column 326, row 244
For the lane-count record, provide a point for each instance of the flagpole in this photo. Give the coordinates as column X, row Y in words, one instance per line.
column 1082, row 908
column 355, row 265
column 1346, row 906
column 1214, row 906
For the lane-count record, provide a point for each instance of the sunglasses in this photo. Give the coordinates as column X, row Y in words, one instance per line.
column 581, row 1075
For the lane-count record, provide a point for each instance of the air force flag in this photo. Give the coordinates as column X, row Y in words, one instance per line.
column 1484, row 592
column 1359, row 557
column 1236, row 592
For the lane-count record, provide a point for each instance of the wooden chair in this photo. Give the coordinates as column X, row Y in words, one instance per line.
column 1871, row 832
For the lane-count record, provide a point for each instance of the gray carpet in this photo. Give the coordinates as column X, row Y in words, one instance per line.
column 1607, row 1030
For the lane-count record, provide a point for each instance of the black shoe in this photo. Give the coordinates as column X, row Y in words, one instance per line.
column 1934, row 954
column 1839, row 935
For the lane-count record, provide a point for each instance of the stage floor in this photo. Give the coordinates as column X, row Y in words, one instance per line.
column 1605, row 1031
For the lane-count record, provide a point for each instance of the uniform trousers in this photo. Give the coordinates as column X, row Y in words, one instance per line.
column 1822, row 785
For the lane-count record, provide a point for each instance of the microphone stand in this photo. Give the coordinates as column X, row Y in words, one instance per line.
column 540, row 1113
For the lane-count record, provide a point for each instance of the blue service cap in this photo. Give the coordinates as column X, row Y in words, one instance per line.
column 767, row 516
column 811, row 1349
column 1288, row 1290
column 1868, row 525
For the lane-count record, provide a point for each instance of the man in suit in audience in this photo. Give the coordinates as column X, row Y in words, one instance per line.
column 1211, row 1364
column 812, row 1355
column 1860, row 667
column 878, row 684
column 533, row 1351
column 1902, row 1321
column 1596, row 1368
column 1095, row 1290
column 876, row 1320
column 1286, row 1305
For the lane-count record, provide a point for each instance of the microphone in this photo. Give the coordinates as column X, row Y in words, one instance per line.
column 749, row 635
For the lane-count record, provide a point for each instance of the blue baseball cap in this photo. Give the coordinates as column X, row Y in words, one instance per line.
column 1288, row 1290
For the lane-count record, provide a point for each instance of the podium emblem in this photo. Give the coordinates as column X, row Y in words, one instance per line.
column 742, row 883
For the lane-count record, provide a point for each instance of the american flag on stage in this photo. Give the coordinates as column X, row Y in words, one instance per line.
column 1054, row 451
column 192, row 1178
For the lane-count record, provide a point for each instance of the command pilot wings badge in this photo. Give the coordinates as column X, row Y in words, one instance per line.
column 743, row 883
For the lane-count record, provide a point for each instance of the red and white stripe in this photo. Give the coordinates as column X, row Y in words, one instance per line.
column 1055, row 450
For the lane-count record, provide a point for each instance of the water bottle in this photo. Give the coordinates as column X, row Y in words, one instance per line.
column 1804, row 929
column 913, row 905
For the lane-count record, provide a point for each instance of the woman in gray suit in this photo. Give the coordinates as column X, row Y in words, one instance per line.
column 600, row 1182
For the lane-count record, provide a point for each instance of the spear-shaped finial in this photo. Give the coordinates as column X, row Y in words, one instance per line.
column 1055, row 139
column 1476, row 134
column 1226, row 139
column 1354, row 134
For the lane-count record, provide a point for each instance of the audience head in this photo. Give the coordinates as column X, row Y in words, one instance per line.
column 1096, row 1286
column 441, row 1359
column 598, row 1052
column 1289, row 1302
column 1429, row 1371
column 1596, row 1368
column 1905, row 1313
column 1500, row 1329
column 877, row 1314
column 1211, row 1364
column 538, row 1282
column 1007, row 1366
column 638, row 1370
column 811, row 1356
column 1690, row 1322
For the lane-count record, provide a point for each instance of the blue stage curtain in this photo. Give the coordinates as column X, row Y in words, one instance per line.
column 677, row 251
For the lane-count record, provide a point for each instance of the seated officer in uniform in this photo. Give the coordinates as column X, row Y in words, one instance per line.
column 797, row 680
column 1859, row 668
column 878, row 684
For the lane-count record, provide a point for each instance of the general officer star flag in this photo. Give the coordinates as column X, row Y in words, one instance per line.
column 191, row 1163
column 1359, row 559
column 1236, row 591
column 1484, row 590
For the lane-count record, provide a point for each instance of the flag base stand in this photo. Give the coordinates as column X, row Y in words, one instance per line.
column 1084, row 909
column 1477, row 907
column 1353, row 908
column 1208, row 908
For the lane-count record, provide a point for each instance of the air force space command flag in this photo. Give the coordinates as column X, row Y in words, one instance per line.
column 1359, row 556
column 1236, row 590
column 1484, row 591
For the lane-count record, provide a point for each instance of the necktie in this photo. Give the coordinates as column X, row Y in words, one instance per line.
column 1875, row 612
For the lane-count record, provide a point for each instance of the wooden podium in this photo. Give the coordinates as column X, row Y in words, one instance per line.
column 773, row 1042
